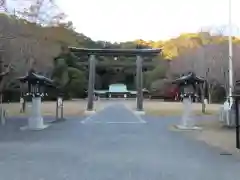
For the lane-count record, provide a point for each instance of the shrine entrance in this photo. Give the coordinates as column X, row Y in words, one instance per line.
column 115, row 53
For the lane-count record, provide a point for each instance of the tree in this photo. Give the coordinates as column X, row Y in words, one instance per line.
column 42, row 12
column 67, row 75
column 156, row 74
column 6, row 35
column 3, row 5
column 22, row 35
column 39, row 35
column 77, row 82
column 208, row 60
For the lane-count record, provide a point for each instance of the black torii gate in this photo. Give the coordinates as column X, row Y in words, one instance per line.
column 92, row 53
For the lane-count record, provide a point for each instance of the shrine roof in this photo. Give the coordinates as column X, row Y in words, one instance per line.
column 35, row 78
column 189, row 78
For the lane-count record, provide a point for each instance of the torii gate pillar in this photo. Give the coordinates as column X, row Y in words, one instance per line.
column 91, row 84
column 139, row 83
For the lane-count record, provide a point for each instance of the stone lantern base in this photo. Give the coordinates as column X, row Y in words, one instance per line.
column 89, row 112
column 187, row 121
column 35, row 121
column 182, row 127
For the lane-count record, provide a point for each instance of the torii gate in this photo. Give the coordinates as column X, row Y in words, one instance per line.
column 92, row 53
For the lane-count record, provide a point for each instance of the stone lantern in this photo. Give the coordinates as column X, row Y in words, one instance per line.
column 36, row 89
column 188, row 85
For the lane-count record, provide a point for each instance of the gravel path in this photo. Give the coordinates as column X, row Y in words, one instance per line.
column 114, row 144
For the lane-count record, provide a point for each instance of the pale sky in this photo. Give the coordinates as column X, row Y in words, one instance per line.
column 122, row 20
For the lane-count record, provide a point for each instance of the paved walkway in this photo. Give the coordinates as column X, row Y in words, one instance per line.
column 114, row 144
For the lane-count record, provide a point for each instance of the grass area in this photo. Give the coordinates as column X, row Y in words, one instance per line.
column 177, row 112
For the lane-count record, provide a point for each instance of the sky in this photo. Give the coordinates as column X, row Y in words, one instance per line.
column 125, row 20
column 122, row 20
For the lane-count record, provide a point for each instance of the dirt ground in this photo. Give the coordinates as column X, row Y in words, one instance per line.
column 176, row 108
column 77, row 107
column 215, row 134
column 156, row 105
column 48, row 108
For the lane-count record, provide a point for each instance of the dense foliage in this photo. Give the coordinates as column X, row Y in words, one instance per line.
column 22, row 41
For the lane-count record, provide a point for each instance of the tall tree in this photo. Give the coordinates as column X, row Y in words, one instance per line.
column 42, row 12
column 67, row 75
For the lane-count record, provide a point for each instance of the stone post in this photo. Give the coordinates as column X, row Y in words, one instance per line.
column 91, row 83
column 139, row 83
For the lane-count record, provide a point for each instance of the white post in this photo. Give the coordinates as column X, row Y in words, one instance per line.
column 230, row 57
column 35, row 121
column 60, row 106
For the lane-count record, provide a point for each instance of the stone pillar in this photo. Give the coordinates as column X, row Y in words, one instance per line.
column 187, row 112
column 91, row 82
column 187, row 121
column 139, row 83
column 35, row 121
